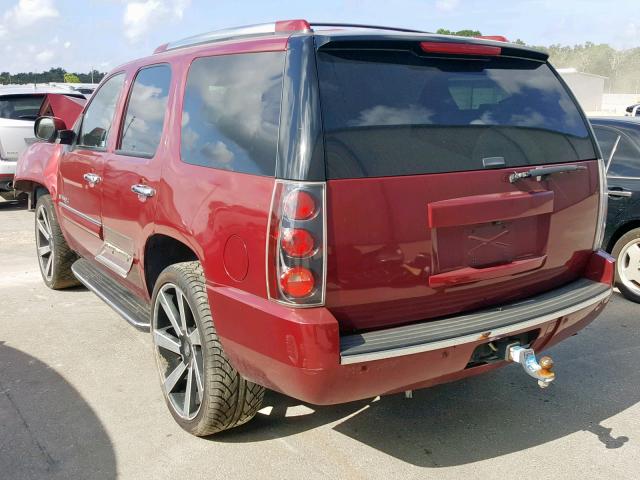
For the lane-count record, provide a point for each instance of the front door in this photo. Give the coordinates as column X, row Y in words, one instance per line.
column 81, row 170
column 131, row 176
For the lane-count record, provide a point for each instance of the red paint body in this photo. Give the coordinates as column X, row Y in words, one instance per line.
column 398, row 248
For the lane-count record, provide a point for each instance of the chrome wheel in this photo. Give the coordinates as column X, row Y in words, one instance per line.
column 44, row 243
column 178, row 349
column 628, row 266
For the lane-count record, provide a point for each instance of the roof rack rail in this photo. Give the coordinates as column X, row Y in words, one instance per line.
column 372, row 27
column 238, row 32
column 265, row 28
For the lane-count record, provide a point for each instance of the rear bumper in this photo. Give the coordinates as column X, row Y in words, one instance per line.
column 7, row 172
column 299, row 352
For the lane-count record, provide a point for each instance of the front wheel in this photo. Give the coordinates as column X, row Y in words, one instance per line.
column 627, row 254
column 204, row 393
column 54, row 255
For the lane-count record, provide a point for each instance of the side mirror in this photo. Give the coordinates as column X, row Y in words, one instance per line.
column 48, row 128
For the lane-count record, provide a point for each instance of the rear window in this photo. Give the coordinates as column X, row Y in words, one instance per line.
column 231, row 112
column 20, row 107
column 397, row 113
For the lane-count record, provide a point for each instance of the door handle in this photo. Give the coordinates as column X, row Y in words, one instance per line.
column 619, row 193
column 92, row 179
column 143, row 191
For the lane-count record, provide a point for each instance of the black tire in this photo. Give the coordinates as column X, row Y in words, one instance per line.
column 59, row 275
column 228, row 400
column 630, row 292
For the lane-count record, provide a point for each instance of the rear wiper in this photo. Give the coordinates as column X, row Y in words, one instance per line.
column 543, row 172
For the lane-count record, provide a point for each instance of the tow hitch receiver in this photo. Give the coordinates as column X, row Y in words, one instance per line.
column 527, row 358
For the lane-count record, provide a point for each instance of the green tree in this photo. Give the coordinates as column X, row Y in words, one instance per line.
column 71, row 78
column 460, row 33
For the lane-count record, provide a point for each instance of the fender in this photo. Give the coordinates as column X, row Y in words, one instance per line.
column 38, row 166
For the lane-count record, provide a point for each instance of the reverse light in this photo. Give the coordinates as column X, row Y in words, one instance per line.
column 297, row 243
column 455, row 48
column 297, row 282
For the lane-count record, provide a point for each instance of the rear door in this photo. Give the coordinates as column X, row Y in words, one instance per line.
column 423, row 220
column 131, row 176
column 81, row 169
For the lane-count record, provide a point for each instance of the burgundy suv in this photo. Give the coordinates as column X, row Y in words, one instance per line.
column 332, row 212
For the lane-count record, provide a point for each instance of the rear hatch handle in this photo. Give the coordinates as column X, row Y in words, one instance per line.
column 543, row 172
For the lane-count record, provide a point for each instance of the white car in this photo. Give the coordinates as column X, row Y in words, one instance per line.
column 19, row 107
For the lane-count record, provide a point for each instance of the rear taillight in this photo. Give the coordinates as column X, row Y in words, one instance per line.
column 296, row 254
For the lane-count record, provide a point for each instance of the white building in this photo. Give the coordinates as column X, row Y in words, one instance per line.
column 588, row 88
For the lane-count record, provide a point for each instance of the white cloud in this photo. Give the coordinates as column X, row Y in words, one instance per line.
column 28, row 12
column 44, row 56
column 141, row 16
column 67, row 44
column 447, row 5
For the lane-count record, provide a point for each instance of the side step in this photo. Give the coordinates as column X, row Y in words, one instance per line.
column 130, row 307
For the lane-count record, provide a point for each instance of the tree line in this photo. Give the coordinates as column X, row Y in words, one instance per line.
column 56, row 75
column 621, row 67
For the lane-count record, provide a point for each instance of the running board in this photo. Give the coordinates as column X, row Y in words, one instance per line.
column 130, row 307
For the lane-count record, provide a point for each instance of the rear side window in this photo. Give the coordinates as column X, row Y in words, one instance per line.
column 142, row 127
column 231, row 112
column 607, row 139
column 399, row 113
column 626, row 159
column 98, row 116
column 20, row 107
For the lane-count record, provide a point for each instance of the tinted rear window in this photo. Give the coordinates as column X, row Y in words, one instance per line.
column 20, row 107
column 397, row 113
column 231, row 112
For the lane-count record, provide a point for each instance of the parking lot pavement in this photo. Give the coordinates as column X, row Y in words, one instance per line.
column 79, row 398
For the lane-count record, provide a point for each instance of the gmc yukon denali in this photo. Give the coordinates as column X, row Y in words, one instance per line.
column 334, row 212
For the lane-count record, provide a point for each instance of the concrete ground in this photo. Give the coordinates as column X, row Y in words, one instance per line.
column 79, row 398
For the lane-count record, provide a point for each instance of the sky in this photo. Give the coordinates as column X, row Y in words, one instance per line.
column 78, row 35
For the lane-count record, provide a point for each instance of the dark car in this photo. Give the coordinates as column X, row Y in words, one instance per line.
column 634, row 110
column 619, row 140
column 332, row 214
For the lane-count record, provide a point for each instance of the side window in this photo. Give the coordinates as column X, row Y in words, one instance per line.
column 142, row 127
column 231, row 112
column 98, row 117
column 626, row 159
column 607, row 138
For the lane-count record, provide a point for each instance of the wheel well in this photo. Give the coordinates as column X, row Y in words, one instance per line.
column 33, row 190
column 620, row 231
column 160, row 252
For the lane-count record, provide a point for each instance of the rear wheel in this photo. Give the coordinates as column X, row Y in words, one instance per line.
column 204, row 393
column 627, row 254
column 54, row 255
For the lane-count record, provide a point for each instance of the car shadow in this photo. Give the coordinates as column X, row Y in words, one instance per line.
column 12, row 205
column 48, row 431
column 487, row 416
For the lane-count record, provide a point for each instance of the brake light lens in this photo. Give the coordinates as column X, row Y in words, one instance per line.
column 455, row 48
column 299, row 205
column 296, row 256
column 297, row 282
column 297, row 242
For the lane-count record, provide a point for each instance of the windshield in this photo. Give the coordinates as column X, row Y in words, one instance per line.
column 397, row 113
column 20, row 107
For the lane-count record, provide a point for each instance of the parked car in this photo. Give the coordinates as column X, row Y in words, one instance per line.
column 334, row 214
column 633, row 110
column 619, row 140
column 19, row 107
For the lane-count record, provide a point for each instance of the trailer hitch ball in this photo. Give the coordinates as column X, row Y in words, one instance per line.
column 541, row 371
